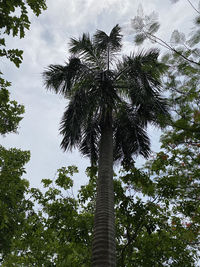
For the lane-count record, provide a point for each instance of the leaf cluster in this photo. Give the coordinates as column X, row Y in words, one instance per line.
column 15, row 20
column 11, row 112
column 12, row 195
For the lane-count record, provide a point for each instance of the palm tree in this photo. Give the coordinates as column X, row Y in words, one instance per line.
column 110, row 104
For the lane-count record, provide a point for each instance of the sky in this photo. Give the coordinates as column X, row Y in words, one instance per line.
column 47, row 43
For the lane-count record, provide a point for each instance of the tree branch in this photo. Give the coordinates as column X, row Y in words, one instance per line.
column 166, row 45
column 193, row 7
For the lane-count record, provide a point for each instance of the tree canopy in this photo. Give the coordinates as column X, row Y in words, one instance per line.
column 14, row 21
column 97, row 82
column 58, row 228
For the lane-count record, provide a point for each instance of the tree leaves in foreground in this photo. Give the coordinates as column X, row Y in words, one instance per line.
column 12, row 195
column 14, row 21
column 58, row 228
column 176, row 167
column 10, row 112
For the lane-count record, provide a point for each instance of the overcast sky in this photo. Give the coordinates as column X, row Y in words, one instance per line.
column 47, row 43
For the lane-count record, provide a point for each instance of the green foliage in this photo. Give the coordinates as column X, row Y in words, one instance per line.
column 12, row 189
column 63, row 179
column 58, row 227
column 14, row 55
column 139, row 38
column 175, row 169
column 57, row 233
column 14, row 21
column 181, row 142
column 12, row 161
column 10, row 112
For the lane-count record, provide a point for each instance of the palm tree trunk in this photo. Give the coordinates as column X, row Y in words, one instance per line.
column 103, row 251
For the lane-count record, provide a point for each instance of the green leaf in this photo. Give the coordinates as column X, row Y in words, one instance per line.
column 46, row 182
column 139, row 38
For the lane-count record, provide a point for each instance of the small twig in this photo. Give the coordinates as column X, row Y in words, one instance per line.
column 193, row 7
column 166, row 45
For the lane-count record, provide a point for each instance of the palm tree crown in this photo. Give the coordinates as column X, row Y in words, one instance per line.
column 110, row 104
column 96, row 84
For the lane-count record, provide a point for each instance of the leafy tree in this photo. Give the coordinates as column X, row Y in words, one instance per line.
column 12, row 186
column 10, row 113
column 110, row 105
column 14, row 21
column 150, row 234
column 176, row 167
column 12, row 190
column 56, row 232
column 58, row 229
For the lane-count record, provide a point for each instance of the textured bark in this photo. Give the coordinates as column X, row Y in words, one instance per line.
column 103, row 251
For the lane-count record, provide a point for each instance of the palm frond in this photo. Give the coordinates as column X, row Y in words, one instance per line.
column 54, row 77
column 140, row 83
column 130, row 138
column 72, row 120
column 85, row 48
column 102, row 40
column 78, row 119
column 144, row 62
column 90, row 140
column 116, row 39
column 81, row 45
column 155, row 111
column 60, row 78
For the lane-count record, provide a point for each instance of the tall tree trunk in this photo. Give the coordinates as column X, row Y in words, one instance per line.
column 103, row 251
